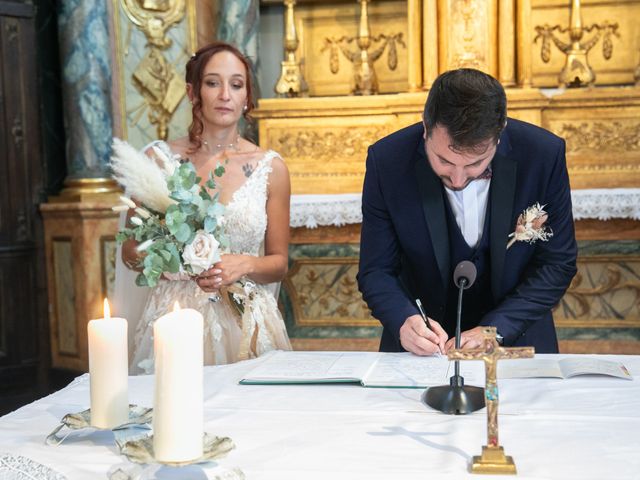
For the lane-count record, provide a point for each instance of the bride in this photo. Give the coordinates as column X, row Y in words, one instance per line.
column 255, row 189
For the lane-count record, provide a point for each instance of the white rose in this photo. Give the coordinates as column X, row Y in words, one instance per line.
column 202, row 252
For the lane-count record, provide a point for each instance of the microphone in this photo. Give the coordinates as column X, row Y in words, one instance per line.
column 464, row 274
column 457, row 398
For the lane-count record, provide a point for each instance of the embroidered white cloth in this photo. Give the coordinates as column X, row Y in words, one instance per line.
column 17, row 467
column 313, row 211
column 606, row 203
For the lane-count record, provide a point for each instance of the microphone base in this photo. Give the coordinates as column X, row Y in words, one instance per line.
column 454, row 399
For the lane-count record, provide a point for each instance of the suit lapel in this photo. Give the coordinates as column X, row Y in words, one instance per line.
column 503, row 187
column 430, row 187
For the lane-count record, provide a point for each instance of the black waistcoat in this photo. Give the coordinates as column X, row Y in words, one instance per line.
column 477, row 299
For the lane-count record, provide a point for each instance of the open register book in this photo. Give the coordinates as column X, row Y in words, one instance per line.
column 378, row 369
column 563, row 368
column 369, row 369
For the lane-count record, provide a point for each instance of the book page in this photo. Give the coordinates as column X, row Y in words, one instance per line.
column 311, row 367
column 529, row 368
column 593, row 366
column 407, row 370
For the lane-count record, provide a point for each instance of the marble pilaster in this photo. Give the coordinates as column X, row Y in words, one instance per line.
column 86, row 77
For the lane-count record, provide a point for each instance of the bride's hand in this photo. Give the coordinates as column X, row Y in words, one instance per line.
column 228, row 270
column 209, row 280
column 233, row 267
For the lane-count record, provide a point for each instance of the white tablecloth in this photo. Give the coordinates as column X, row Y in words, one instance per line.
column 578, row 428
column 312, row 211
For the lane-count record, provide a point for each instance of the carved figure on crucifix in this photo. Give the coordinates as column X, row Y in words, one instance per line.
column 493, row 459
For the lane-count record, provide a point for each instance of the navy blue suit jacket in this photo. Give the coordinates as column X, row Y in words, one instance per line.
column 404, row 251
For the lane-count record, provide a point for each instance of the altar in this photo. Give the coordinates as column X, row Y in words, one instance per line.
column 583, row 428
column 323, row 135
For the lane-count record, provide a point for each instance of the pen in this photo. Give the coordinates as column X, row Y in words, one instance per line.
column 426, row 319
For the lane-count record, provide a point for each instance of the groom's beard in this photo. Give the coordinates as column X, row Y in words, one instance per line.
column 446, row 181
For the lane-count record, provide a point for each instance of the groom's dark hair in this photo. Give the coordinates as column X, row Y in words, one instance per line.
column 470, row 104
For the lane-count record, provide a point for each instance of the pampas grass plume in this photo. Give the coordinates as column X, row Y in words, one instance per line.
column 142, row 177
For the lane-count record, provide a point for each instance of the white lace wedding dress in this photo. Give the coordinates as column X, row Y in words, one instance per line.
column 233, row 330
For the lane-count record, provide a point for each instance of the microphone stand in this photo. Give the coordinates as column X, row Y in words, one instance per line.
column 457, row 398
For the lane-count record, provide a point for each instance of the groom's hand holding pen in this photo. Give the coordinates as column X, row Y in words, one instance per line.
column 427, row 324
column 421, row 335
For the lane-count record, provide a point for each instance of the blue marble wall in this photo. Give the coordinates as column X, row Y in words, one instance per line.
column 239, row 24
column 86, row 86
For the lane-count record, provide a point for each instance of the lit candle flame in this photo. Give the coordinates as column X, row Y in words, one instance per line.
column 176, row 306
column 107, row 310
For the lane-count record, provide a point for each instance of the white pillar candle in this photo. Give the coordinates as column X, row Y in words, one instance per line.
column 108, row 370
column 178, row 403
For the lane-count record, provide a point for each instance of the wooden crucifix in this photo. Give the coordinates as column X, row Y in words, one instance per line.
column 493, row 459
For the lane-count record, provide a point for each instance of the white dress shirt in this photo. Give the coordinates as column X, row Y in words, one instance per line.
column 469, row 207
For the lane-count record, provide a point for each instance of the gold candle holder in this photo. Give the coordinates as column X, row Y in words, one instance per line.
column 365, row 79
column 291, row 82
column 576, row 72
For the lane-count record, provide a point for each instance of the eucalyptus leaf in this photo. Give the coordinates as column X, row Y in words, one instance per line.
column 215, row 210
column 183, row 233
column 210, row 224
column 174, row 263
column 182, row 195
column 165, row 255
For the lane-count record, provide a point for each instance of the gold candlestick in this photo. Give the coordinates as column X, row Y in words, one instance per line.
column 291, row 82
column 576, row 72
column 365, row 79
column 493, row 459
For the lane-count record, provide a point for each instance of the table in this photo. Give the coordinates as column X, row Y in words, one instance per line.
column 578, row 428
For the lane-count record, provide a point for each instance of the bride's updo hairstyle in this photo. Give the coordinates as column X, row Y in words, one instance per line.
column 194, row 72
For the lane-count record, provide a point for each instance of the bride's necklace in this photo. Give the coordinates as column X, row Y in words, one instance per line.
column 222, row 146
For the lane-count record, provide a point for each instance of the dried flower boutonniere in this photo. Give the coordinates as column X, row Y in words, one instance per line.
column 530, row 226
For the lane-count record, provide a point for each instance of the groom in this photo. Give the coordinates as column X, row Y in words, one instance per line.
column 452, row 188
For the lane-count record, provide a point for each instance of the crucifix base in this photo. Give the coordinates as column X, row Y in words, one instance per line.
column 493, row 460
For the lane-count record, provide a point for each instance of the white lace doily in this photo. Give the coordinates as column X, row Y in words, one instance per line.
column 606, row 203
column 313, row 211
column 17, row 467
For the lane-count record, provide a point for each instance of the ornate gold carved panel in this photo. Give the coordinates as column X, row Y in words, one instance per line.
column 318, row 21
column 604, row 293
column 603, row 142
column 324, row 292
column 324, row 140
column 152, row 43
column 468, row 34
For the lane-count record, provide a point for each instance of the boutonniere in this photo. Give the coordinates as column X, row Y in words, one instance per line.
column 530, row 226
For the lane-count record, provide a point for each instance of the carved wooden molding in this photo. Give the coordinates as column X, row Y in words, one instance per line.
column 325, row 144
column 618, row 135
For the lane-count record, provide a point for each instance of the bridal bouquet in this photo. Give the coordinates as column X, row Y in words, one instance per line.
column 178, row 224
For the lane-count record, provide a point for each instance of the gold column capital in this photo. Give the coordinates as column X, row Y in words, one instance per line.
column 87, row 189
